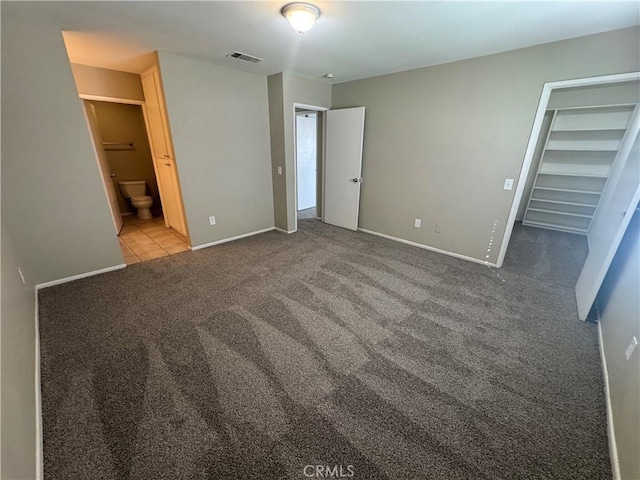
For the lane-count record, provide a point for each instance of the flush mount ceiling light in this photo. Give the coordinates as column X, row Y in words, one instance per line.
column 301, row 16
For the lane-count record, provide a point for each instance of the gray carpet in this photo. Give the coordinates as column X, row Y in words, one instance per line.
column 307, row 213
column 256, row 358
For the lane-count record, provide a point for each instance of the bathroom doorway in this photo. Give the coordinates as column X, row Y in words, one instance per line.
column 126, row 146
column 122, row 146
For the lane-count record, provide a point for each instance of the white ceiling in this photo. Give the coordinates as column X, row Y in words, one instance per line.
column 352, row 40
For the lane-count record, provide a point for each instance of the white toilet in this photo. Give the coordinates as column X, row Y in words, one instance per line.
column 135, row 191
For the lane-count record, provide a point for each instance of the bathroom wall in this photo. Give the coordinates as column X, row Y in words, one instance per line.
column 125, row 123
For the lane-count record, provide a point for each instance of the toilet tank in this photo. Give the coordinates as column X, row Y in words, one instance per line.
column 132, row 188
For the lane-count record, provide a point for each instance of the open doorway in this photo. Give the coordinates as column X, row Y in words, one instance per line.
column 306, row 163
column 124, row 156
column 338, row 164
column 126, row 145
column 308, row 126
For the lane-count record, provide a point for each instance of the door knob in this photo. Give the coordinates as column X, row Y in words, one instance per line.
column 168, row 164
column 112, row 175
column 357, row 180
column 167, row 156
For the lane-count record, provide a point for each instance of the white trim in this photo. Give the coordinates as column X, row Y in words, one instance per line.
column 533, row 140
column 613, row 448
column 231, row 239
column 38, row 393
column 280, row 230
column 426, row 247
column 79, row 276
column 101, row 98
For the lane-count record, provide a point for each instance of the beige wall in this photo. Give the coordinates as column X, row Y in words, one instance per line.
column 53, row 199
column 285, row 90
column 219, row 122
column 440, row 141
column 19, row 409
column 620, row 321
column 276, row 131
column 107, row 83
column 119, row 122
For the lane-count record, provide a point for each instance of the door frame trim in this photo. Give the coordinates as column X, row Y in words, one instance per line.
column 547, row 89
column 140, row 103
column 315, row 108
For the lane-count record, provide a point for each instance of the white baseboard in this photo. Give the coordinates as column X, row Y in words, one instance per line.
column 231, row 239
column 613, row 448
column 38, row 393
column 426, row 247
column 280, row 230
column 79, row 276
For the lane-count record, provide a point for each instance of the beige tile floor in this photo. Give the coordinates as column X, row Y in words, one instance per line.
column 142, row 240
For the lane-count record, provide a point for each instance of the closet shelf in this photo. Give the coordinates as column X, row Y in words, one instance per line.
column 579, row 154
column 576, row 204
column 556, row 149
column 568, row 174
column 595, row 129
column 555, row 212
column 554, row 189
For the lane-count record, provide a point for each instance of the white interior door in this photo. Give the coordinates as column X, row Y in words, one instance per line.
column 306, row 143
column 344, row 135
column 610, row 222
column 92, row 120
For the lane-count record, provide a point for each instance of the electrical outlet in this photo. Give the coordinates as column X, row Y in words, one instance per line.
column 438, row 227
column 212, row 220
column 630, row 349
column 508, row 184
column 279, row 170
column 417, row 223
column 21, row 275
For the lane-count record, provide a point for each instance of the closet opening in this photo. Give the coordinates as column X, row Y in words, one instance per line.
column 580, row 173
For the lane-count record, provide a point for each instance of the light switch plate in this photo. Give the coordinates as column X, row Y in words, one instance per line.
column 630, row 349
column 508, row 184
column 279, row 170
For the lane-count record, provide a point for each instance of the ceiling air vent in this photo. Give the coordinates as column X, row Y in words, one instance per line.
column 244, row 57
